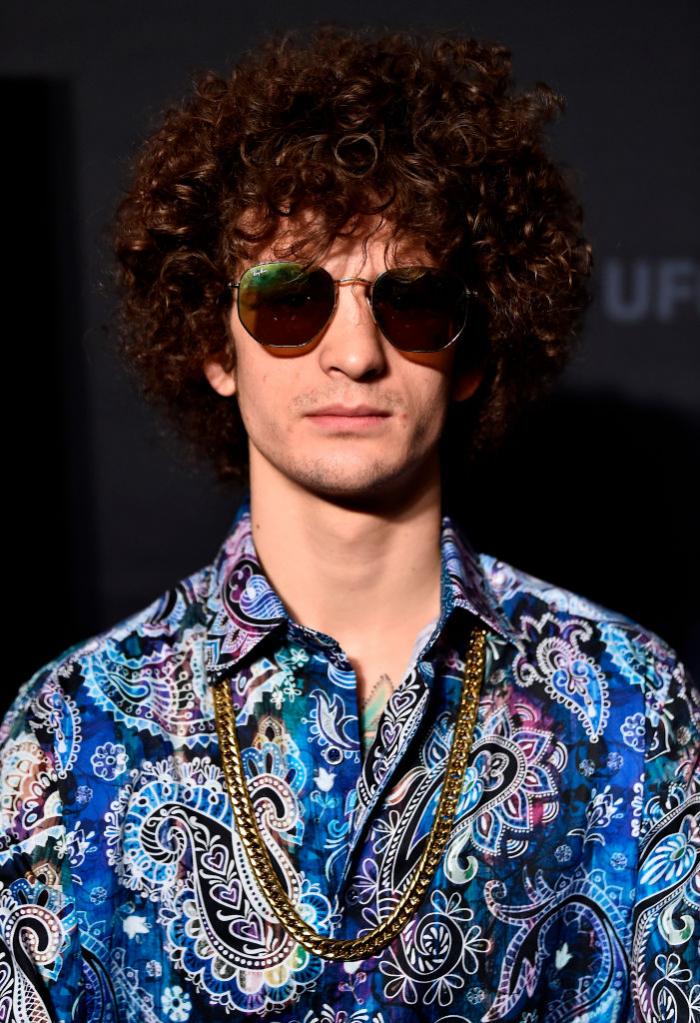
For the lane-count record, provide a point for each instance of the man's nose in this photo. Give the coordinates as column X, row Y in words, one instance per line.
column 352, row 342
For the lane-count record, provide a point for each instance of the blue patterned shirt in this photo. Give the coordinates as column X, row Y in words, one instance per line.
column 569, row 889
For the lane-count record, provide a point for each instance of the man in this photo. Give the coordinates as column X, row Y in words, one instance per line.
column 352, row 770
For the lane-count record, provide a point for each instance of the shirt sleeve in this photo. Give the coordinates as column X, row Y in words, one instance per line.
column 40, row 956
column 665, row 951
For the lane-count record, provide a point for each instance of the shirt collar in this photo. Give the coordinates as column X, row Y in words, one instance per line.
column 244, row 608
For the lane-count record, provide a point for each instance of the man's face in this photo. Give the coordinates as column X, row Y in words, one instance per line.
column 350, row 364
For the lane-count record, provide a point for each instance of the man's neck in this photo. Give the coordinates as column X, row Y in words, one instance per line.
column 369, row 578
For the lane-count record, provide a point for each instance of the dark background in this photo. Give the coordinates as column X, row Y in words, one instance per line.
column 593, row 492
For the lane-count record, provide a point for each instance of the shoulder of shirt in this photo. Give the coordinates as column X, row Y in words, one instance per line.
column 523, row 598
column 176, row 618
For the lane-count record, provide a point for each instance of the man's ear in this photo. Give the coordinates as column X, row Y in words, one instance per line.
column 223, row 381
column 465, row 384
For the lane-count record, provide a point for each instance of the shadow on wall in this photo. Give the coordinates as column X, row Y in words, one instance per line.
column 593, row 493
column 48, row 528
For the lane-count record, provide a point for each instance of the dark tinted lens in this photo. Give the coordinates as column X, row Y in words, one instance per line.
column 285, row 304
column 420, row 309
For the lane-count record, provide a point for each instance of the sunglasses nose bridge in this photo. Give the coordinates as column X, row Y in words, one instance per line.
column 360, row 280
column 369, row 288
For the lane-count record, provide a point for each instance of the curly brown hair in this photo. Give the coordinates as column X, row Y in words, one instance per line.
column 428, row 132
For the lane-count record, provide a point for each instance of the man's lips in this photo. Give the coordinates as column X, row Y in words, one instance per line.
column 345, row 410
column 359, row 417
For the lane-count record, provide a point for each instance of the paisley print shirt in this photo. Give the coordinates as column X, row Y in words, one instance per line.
column 569, row 889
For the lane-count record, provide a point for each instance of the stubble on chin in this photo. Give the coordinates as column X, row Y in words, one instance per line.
column 370, row 483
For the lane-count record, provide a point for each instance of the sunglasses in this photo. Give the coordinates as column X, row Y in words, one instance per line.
column 287, row 304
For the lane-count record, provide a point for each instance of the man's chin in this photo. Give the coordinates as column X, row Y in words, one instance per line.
column 377, row 487
column 353, row 479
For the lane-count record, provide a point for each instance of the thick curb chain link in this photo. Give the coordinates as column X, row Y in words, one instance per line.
column 353, row 949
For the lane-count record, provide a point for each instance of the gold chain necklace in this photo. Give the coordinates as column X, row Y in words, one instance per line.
column 353, row 949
